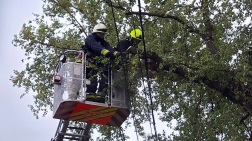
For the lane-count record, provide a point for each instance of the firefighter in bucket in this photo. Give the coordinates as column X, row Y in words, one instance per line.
column 95, row 45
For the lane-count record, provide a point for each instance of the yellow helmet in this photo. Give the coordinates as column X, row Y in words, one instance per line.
column 136, row 34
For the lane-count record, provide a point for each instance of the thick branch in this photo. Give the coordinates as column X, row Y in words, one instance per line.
column 244, row 118
column 250, row 57
column 208, row 36
column 119, row 6
column 169, row 17
column 227, row 90
column 206, row 14
column 80, row 26
column 250, row 64
column 73, row 17
column 49, row 45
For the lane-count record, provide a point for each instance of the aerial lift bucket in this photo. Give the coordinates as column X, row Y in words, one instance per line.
column 71, row 78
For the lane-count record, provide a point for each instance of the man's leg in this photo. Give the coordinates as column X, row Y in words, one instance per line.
column 91, row 75
column 103, row 87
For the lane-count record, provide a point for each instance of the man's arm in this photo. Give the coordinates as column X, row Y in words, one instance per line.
column 123, row 45
column 96, row 47
column 107, row 46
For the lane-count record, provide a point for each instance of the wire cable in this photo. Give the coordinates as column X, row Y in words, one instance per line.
column 123, row 64
column 141, row 70
column 146, row 67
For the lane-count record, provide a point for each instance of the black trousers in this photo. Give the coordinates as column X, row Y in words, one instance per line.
column 92, row 75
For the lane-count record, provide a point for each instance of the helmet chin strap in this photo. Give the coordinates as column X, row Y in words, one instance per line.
column 131, row 40
column 128, row 38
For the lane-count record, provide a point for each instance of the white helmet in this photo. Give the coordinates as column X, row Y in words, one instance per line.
column 100, row 28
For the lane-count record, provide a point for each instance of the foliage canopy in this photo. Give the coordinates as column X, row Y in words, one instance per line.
column 204, row 79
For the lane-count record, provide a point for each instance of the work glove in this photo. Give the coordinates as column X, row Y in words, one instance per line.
column 118, row 54
column 111, row 56
column 131, row 50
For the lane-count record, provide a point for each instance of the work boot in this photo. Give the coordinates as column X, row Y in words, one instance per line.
column 90, row 97
column 100, row 98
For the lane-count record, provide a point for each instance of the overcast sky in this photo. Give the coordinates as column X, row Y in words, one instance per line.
column 17, row 122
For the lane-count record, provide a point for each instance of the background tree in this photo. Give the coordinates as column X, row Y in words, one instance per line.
column 204, row 78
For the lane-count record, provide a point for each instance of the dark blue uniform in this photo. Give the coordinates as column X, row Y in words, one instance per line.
column 97, row 46
column 123, row 45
